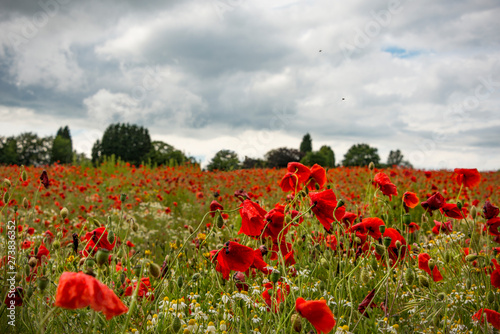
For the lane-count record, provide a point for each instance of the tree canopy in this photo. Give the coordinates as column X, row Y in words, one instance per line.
column 225, row 160
column 62, row 147
column 306, row 144
column 361, row 155
column 280, row 157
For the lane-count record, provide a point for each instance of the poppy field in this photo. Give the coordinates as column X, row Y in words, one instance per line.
column 124, row 249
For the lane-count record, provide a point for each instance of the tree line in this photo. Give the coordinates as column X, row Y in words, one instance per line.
column 357, row 155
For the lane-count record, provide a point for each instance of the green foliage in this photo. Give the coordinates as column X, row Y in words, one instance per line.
column 395, row 158
column 361, row 155
column 130, row 143
column 164, row 154
column 329, row 156
column 8, row 151
column 306, row 144
column 61, row 150
column 33, row 150
column 249, row 163
column 225, row 160
column 312, row 158
column 280, row 157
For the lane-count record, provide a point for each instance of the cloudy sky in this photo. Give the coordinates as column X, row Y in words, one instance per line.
column 253, row 75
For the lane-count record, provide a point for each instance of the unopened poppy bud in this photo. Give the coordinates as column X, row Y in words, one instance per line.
column 441, row 296
column 459, row 205
column 407, row 219
column 89, row 262
column 387, row 241
column 409, row 276
column 56, row 244
column 24, row 176
column 423, row 281
column 365, row 276
column 468, row 284
column 382, row 229
column 154, row 270
column 220, row 221
column 102, row 256
column 26, row 204
column 135, row 227
column 111, row 236
column 176, row 326
column 137, row 270
column 6, row 197
column 64, row 213
column 371, row 165
column 379, row 249
column 357, row 240
column 29, row 291
column 473, row 212
column 432, row 264
column 374, row 263
column 275, row 276
column 448, row 257
column 398, row 244
column 32, row 262
column 96, row 223
column 27, row 270
column 296, row 323
column 471, row 257
column 490, row 297
column 42, row 283
column 180, row 282
column 340, row 203
column 7, row 183
column 123, row 197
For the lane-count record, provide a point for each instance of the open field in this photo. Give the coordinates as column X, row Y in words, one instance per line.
column 426, row 271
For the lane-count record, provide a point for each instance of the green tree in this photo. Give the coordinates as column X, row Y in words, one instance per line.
column 312, row 158
column 329, row 155
column 164, row 154
column 395, row 158
column 306, row 144
column 361, row 155
column 280, row 157
column 249, row 163
column 33, row 150
column 130, row 143
column 96, row 154
column 61, row 150
column 225, row 160
column 8, row 151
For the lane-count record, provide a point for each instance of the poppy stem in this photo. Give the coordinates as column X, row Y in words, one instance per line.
column 134, row 301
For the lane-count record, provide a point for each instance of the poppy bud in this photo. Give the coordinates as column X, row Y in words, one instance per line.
column 89, row 262
column 468, row 284
column 180, row 282
column 490, row 297
column 137, row 270
column 473, row 212
column 448, row 257
column 220, row 221
column 387, row 241
column 380, row 249
column 42, row 283
column 26, row 204
column 441, row 296
column 96, row 223
column 374, row 263
column 459, row 205
column 27, row 270
column 423, row 281
column 123, row 197
column 24, row 176
column 64, row 213
column 471, row 257
column 7, row 183
column 6, row 197
column 56, row 244
column 340, row 203
column 154, row 270
column 29, row 291
column 407, row 219
column 432, row 264
column 275, row 276
column 364, row 276
column 296, row 323
column 135, row 227
column 102, row 256
column 32, row 262
column 382, row 229
column 398, row 244
column 357, row 240
column 409, row 276
column 371, row 165
column 176, row 326
column 111, row 236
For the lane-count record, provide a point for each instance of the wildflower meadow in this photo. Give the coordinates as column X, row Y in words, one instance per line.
column 139, row 249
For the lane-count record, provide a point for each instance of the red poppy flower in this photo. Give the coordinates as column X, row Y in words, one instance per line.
column 395, row 252
column 412, row 227
column 96, row 239
column 290, row 182
column 367, row 302
column 14, row 297
column 130, row 244
column 303, row 172
column 277, row 295
column 44, row 178
column 370, row 226
column 435, row 202
column 490, row 211
column 283, row 247
column 410, row 199
column 423, row 263
column 214, row 206
column 78, row 290
column 349, row 218
column 26, row 244
column 275, row 222
column 324, row 204
column 145, row 289
column 252, row 218
column 232, row 257
column 385, row 185
column 495, row 275
column 447, row 227
column 469, row 178
column 452, row 211
column 492, row 225
column 317, row 313
column 318, row 177
column 492, row 317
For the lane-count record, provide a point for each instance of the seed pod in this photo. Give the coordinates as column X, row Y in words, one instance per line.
column 382, row 229
column 409, row 276
column 387, row 241
column 154, row 270
column 32, row 262
column 406, row 219
column 176, row 326
column 296, row 323
column 29, row 291
column 123, row 197
column 89, row 262
column 379, row 249
column 423, row 281
column 64, row 213
column 102, row 256
column 42, row 283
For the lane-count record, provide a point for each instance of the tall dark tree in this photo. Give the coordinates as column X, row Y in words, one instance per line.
column 395, row 158
column 329, row 155
column 361, row 155
column 96, row 154
column 224, row 160
column 280, row 157
column 130, row 143
column 306, row 144
column 62, row 147
column 8, row 151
